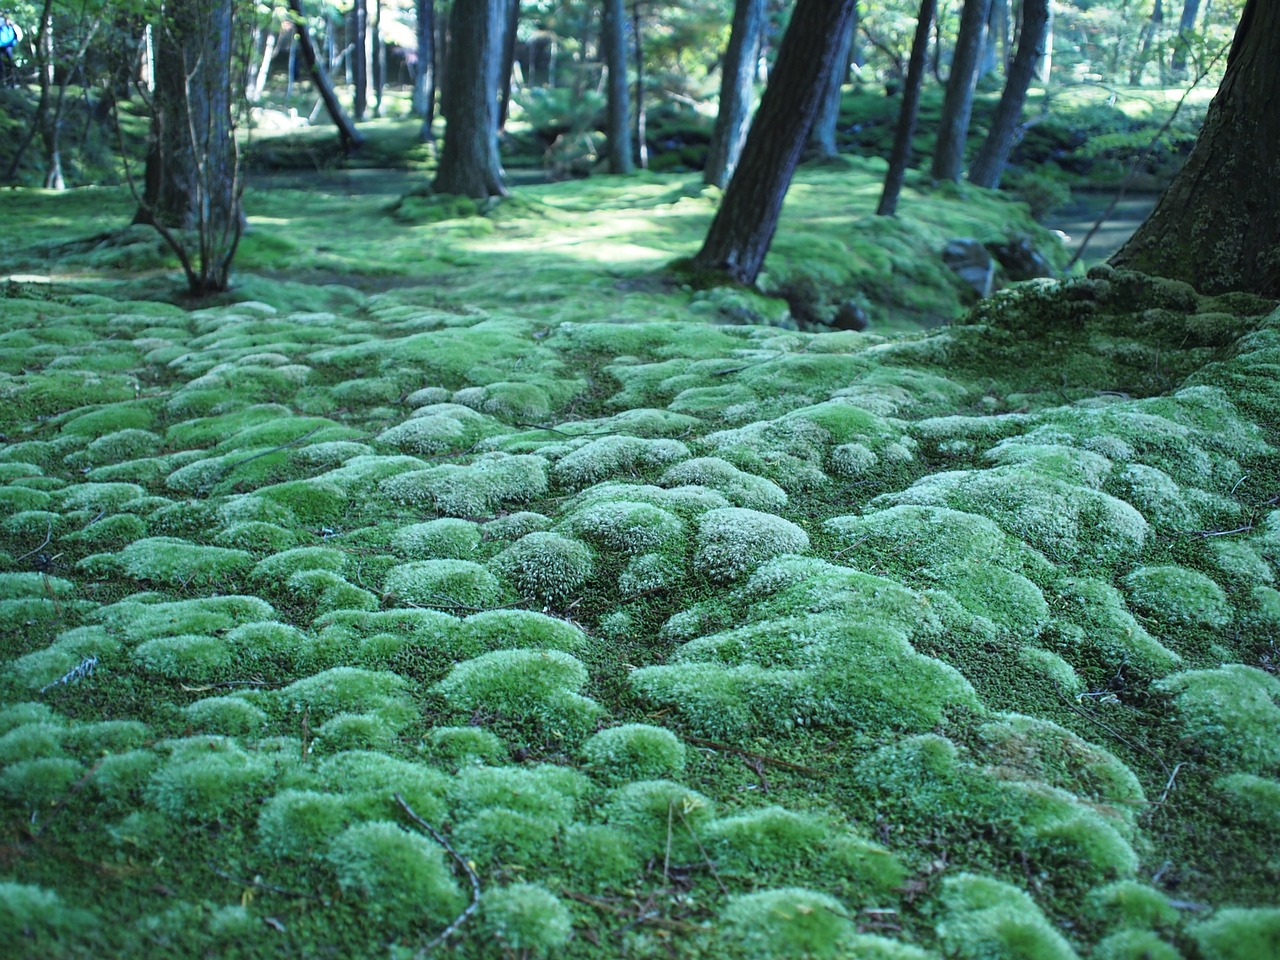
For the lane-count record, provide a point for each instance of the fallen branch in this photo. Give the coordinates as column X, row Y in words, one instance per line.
column 440, row 838
column 760, row 757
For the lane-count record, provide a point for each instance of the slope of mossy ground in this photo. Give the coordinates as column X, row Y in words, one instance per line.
column 692, row 638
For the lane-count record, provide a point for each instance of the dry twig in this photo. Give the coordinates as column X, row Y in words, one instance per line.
column 440, row 838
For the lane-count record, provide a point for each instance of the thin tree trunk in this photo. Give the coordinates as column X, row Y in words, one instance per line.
column 743, row 228
column 377, row 58
column 989, row 164
column 1218, row 225
column 1044, row 69
column 510, row 28
column 424, row 81
column 737, row 82
column 360, row 60
column 1148, row 40
column 469, row 163
column 347, row 133
column 618, row 124
column 901, row 155
column 822, row 138
column 642, row 146
column 957, row 104
column 1186, row 27
column 264, row 68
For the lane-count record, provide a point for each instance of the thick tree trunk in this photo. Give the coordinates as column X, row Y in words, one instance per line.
column 989, row 164
column 618, row 125
column 901, row 154
column 744, row 225
column 424, row 81
column 822, row 137
column 736, row 84
column 469, row 163
column 957, row 104
column 360, row 60
column 1218, row 225
column 347, row 132
column 1186, row 27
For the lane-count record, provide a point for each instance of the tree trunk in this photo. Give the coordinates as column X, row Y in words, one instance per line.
column 1148, row 40
column 1218, row 225
column 377, row 59
column 1186, row 27
column 957, row 104
column 510, row 26
column 989, row 164
column 737, row 80
column 469, row 163
column 360, row 61
column 642, row 145
column 901, row 154
column 347, row 132
column 744, row 225
column 264, row 67
column 424, row 81
column 50, row 120
column 618, row 130
column 822, row 137
column 1044, row 69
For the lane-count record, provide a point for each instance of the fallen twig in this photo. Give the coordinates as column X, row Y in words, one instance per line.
column 440, row 838
column 760, row 757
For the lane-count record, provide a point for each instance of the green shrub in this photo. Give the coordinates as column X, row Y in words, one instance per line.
column 523, row 684
column 789, row 922
column 527, row 918
column 400, row 877
column 545, row 566
column 442, row 583
column 733, row 541
column 634, row 751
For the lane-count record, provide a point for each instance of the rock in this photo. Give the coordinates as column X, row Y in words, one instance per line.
column 1020, row 259
column 849, row 316
column 971, row 262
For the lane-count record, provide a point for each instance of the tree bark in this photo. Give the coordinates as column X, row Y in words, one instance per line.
column 744, row 225
column 957, row 104
column 469, row 163
column 989, row 164
column 618, row 125
column 1186, row 27
column 360, row 60
column 511, row 25
column 1218, row 225
column 424, row 81
column 347, row 133
column 901, row 154
column 642, row 144
column 737, row 81
column 1148, row 40
column 822, row 137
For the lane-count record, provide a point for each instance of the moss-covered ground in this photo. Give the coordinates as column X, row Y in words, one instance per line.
column 691, row 634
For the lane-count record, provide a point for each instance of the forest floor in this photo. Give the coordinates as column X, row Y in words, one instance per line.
column 691, row 633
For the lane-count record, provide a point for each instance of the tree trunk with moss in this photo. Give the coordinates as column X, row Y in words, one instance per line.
column 1218, row 225
column 469, row 163
column 744, row 225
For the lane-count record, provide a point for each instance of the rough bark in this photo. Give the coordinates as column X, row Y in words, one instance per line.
column 469, row 163
column 618, row 124
column 736, row 84
column 1218, row 225
column 347, row 133
column 744, row 225
column 957, row 104
column 901, row 154
column 822, row 136
column 989, row 164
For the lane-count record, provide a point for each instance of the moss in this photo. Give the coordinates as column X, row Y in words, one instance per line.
column 515, row 525
column 98, row 497
column 1134, row 945
column 110, row 532
column 266, row 642
column 1009, row 600
column 527, row 918
column 177, row 562
column 539, row 685
column 329, row 592
column 626, row 526
column 1238, row 934
column 209, row 782
column 190, row 657
column 461, row 746
column 733, row 541
column 1177, row 596
column 740, row 488
column 509, row 629
column 119, row 777
column 354, row 731
column 660, row 816
column 546, row 566
column 232, row 716
column 39, row 782
column 598, row 856
column 787, row 922
column 1097, row 626
column 39, row 919
column 316, row 502
column 256, row 536
column 634, row 751
column 988, row 919
column 770, row 839
column 399, row 876
column 368, row 781
column 492, row 482
column 544, row 791
column 443, row 583
column 1232, row 711
column 346, row 690
column 1252, row 799
column 1129, row 904
column 499, row 838
column 437, row 539
column 32, row 740
column 615, row 457
column 440, row 428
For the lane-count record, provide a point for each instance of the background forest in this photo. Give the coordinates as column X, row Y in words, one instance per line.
column 450, row 504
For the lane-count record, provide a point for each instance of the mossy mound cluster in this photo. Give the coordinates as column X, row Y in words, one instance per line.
column 955, row 644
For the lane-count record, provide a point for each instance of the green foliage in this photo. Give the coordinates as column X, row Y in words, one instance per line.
column 539, row 685
column 399, row 876
column 634, row 751
column 787, row 922
column 527, row 918
column 546, row 566
column 207, row 779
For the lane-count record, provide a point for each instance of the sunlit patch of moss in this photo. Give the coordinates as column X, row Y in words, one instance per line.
column 1176, row 596
column 399, row 876
column 446, row 538
column 733, row 541
column 537, row 685
column 177, row 562
column 988, row 918
column 634, row 751
column 546, row 566
column 527, row 918
column 787, row 922
column 442, row 583
column 492, row 482
column 230, row 716
column 1234, row 711
column 1238, row 933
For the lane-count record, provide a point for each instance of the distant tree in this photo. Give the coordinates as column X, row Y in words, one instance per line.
column 1218, row 225
column 1186, row 27
column 901, row 153
column 744, row 225
column 1147, row 50
column 469, row 163
column 424, row 80
column 360, row 59
column 989, row 164
column 347, row 133
column 737, row 80
column 507, row 59
column 957, row 103
column 822, row 136
column 618, row 124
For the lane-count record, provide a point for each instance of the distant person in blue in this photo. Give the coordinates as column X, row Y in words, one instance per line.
column 9, row 37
